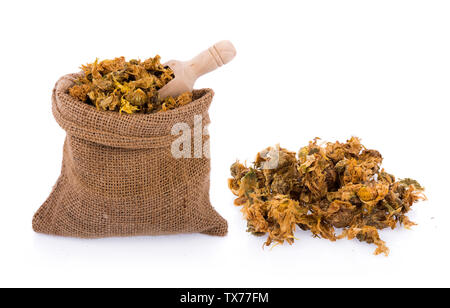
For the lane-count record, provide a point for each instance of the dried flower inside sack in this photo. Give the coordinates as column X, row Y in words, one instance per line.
column 130, row 87
column 320, row 189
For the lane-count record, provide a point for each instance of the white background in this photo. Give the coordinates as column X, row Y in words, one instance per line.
column 379, row 70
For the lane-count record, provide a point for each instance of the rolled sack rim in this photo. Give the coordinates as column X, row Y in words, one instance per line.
column 123, row 130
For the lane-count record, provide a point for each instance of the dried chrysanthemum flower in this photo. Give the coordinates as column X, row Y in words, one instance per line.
column 130, row 87
column 324, row 187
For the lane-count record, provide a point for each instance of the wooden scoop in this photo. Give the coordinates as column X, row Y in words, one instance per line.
column 186, row 73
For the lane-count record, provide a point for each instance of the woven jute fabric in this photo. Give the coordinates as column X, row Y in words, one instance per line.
column 119, row 177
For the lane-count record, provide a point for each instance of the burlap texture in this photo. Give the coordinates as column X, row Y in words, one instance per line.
column 119, row 177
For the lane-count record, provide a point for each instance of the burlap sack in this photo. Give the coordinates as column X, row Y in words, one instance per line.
column 119, row 177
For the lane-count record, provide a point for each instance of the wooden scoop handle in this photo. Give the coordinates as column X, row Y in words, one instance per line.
column 215, row 56
column 186, row 73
